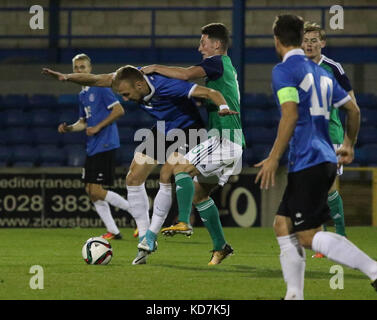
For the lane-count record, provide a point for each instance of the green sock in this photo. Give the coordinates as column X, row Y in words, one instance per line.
column 185, row 194
column 211, row 219
column 337, row 214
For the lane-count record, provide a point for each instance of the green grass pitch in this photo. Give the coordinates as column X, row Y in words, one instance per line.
column 177, row 271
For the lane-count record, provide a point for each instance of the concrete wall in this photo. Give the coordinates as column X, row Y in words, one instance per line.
column 173, row 22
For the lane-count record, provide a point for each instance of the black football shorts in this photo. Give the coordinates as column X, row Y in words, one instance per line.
column 305, row 196
column 100, row 168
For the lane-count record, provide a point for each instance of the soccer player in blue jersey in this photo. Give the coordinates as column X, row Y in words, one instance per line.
column 98, row 111
column 165, row 99
column 304, row 92
column 314, row 41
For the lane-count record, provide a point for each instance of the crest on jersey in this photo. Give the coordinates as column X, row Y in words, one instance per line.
column 91, row 97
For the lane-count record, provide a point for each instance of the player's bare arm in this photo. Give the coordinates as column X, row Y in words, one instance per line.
column 216, row 97
column 117, row 112
column 190, row 73
column 84, row 79
column 287, row 124
column 79, row 125
column 346, row 152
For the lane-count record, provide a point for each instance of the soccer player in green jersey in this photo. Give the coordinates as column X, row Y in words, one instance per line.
column 213, row 161
column 314, row 41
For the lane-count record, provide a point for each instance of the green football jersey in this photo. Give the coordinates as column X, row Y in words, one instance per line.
column 222, row 76
column 336, row 131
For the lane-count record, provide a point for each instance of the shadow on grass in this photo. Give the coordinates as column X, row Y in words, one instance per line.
column 254, row 272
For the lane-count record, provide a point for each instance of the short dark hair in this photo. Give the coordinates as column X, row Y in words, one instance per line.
column 217, row 31
column 127, row 73
column 289, row 29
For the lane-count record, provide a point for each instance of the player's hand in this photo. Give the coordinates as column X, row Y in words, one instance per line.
column 226, row 112
column 57, row 75
column 63, row 128
column 345, row 155
column 91, row 131
column 149, row 69
column 266, row 174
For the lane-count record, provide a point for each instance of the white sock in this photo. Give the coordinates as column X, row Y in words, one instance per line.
column 341, row 250
column 139, row 207
column 117, row 201
column 292, row 260
column 161, row 207
column 103, row 210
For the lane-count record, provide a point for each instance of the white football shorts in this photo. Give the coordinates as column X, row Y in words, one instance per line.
column 216, row 159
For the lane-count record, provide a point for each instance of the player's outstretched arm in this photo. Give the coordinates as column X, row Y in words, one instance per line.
column 216, row 97
column 190, row 73
column 84, row 79
column 117, row 112
column 79, row 125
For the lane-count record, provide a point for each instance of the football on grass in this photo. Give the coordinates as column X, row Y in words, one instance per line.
column 97, row 250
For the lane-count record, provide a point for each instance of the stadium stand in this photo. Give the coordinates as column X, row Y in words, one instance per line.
column 75, row 155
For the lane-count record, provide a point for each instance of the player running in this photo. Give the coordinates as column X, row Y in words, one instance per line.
column 314, row 41
column 215, row 160
column 305, row 92
column 98, row 111
column 165, row 99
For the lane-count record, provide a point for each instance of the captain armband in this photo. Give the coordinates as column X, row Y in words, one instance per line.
column 288, row 94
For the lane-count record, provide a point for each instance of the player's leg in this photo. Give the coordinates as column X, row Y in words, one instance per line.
column 336, row 209
column 97, row 195
column 292, row 254
column 210, row 216
column 185, row 189
column 99, row 171
column 161, row 207
column 139, row 170
column 340, row 250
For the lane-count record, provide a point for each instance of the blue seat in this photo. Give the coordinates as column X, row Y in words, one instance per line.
column 19, row 101
column 3, row 137
column 247, row 157
column 369, row 117
column 126, row 135
column 14, row 136
column 129, row 119
column 125, row 154
column 68, row 99
column 259, row 152
column 5, row 154
column 259, row 135
column 367, row 135
column 16, row 118
column 73, row 138
column 47, row 136
column 259, row 100
column 366, row 100
column 69, row 116
column 260, row 117
column 51, row 154
column 23, row 164
column 360, row 156
column 43, row 101
column 24, row 153
column 145, row 120
column 76, row 155
column 44, row 118
column 370, row 153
